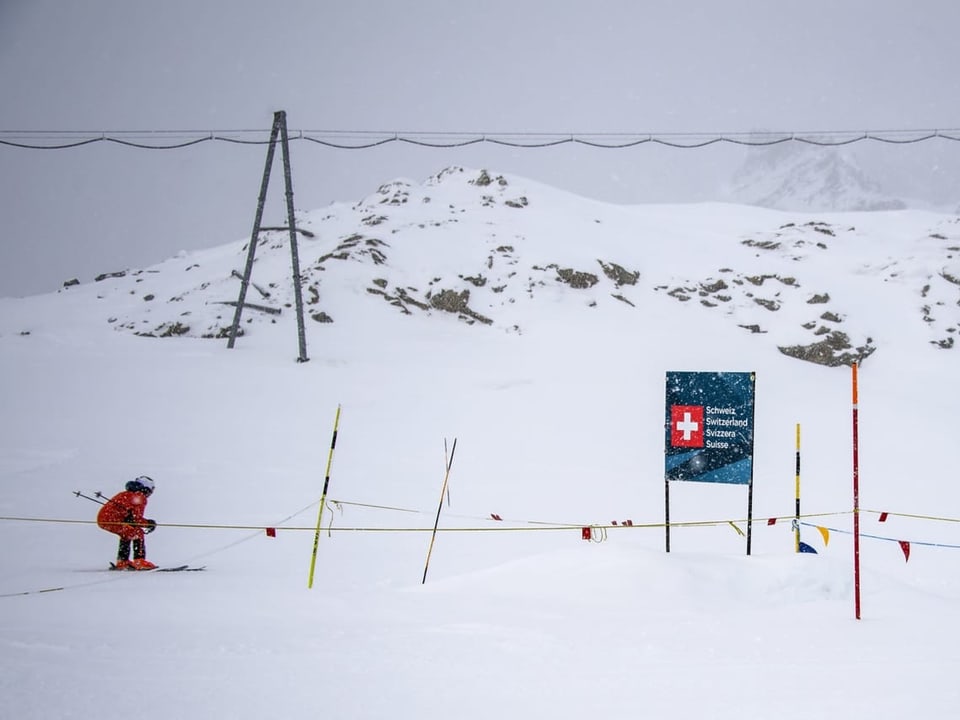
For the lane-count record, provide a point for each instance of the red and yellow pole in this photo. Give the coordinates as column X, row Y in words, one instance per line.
column 856, row 498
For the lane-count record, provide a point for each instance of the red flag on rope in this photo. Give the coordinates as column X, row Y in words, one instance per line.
column 883, row 517
column 905, row 546
column 271, row 532
column 772, row 521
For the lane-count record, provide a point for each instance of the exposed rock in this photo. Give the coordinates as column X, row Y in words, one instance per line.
column 456, row 302
column 619, row 274
column 451, row 300
column 105, row 276
column 483, row 179
column 714, row 287
column 172, row 330
column 832, row 351
column 577, row 279
column 402, row 294
column 761, row 244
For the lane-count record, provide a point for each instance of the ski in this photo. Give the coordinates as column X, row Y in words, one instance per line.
column 182, row 568
column 175, row 568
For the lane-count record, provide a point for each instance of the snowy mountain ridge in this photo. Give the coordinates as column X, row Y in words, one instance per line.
column 496, row 243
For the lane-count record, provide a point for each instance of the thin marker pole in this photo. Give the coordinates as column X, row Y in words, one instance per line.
column 436, row 522
column 753, row 425
column 323, row 499
column 796, row 524
column 856, row 498
column 446, row 459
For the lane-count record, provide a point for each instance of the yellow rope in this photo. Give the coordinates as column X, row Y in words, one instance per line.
column 915, row 517
column 497, row 527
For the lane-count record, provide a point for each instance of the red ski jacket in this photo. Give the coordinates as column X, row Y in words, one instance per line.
column 124, row 507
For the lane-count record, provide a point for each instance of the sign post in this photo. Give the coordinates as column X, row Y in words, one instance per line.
column 709, row 433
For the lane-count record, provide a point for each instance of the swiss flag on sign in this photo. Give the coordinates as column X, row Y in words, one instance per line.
column 686, row 426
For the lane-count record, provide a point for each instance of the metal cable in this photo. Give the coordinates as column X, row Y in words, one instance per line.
column 338, row 139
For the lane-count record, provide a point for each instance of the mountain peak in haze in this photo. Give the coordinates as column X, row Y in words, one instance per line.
column 802, row 177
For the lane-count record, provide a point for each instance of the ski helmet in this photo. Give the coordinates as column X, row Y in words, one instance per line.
column 141, row 484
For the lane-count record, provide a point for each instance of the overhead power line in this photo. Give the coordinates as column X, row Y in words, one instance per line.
column 366, row 139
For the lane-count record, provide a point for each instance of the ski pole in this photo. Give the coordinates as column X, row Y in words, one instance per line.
column 87, row 497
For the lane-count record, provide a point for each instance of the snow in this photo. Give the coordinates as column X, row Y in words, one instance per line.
column 558, row 425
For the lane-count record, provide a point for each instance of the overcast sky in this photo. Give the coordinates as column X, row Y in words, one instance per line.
column 424, row 65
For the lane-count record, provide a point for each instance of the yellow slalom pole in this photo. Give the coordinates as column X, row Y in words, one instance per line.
column 796, row 524
column 323, row 499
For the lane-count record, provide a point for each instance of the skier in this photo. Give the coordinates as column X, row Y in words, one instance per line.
column 123, row 515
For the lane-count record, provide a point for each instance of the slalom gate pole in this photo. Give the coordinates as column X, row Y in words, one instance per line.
column 436, row 523
column 796, row 523
column 856, row 498
column 323, row 499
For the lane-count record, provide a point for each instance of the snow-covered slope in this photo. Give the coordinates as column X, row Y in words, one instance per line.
column 482, row 247
column 557, row 410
